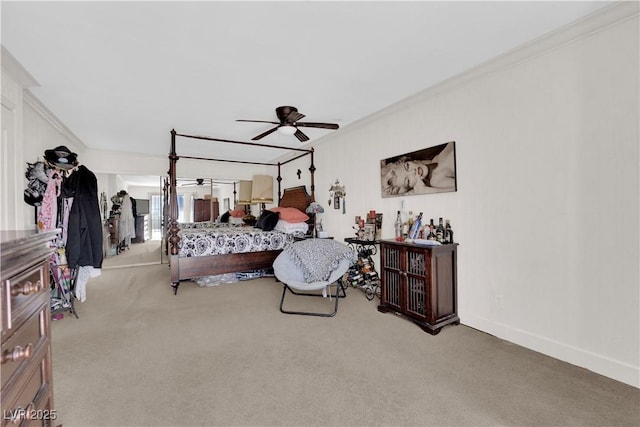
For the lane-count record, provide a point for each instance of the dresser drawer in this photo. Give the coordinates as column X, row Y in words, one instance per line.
column 23, row 345
column 30, row 400
column 26, row 291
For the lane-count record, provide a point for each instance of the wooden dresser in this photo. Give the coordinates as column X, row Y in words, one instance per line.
column 420, row 283
column 27, row 388
column 205, row 210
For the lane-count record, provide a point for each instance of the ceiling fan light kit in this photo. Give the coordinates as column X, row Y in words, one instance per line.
column 287, row 130
column 289, row 124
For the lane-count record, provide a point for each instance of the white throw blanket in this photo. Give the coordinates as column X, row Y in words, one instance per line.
column 317, row 258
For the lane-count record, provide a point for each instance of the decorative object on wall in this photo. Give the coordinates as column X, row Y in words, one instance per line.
column 426, row 171
column 315, row 208
column 262, row 190
column 337, row 193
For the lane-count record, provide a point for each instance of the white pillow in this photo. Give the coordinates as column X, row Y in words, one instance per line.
column 291, row 227
column 234, row 220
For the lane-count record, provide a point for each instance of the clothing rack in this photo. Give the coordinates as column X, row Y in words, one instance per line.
column 62, row 278
column 63, row 281
column 69, row 205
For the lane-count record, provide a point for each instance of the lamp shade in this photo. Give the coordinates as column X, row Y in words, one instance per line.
column 315, row 207
column 244, row 193
column 262, row 189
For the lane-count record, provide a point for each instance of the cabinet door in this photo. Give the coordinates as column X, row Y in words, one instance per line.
column 391, row 276
column 215, row 211
column 415, row 291
column 202, row 210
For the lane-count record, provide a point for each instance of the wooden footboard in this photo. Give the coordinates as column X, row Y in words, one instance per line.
column 191, row 267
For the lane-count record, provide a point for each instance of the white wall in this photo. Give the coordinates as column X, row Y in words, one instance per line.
column 546, row 211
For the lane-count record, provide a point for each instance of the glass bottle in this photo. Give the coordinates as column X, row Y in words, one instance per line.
column 448, row 232
column 415, row 228
column 398, row 227
column 440, row 232
column 432, row 229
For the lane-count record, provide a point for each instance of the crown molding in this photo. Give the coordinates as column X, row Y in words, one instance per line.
column 614, row 14
column 16, row 70
column 31, row 100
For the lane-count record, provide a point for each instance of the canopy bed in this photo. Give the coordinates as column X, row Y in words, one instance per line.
column 188, row 259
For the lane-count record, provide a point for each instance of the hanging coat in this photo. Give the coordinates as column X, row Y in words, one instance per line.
column 127, row 225
column 84, row 230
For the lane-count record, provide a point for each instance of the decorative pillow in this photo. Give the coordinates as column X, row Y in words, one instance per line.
column 225, row 216
column 292, row 227
column 268, row 220
column 236, row 221
column 237, row 213
column 291, row 214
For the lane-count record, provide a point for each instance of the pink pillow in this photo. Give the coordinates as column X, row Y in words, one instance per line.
column 237, row 213
column 292, row 215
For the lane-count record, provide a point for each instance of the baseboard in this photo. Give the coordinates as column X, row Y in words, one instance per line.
column 594, row 362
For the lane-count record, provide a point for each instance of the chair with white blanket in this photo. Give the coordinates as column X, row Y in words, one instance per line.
column 310, row 266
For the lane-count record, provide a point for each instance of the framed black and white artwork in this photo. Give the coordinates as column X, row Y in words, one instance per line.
column 426, row 171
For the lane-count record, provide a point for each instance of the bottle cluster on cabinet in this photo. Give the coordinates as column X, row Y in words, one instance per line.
column 415, row 227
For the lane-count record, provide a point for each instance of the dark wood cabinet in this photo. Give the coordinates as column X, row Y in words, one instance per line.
column 420, row 283
column 205, row 210
column 27, row 387
column 142, row 229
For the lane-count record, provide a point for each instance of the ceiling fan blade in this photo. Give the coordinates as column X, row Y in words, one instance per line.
column 294, row 116
column 263, row 134
column 301, row 136
column 318, row 125
column 258, row 121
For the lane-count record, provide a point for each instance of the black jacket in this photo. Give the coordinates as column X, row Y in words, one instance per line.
column 84, row 228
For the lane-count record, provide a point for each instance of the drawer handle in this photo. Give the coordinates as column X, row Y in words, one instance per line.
column 27, row 288
column 18, row 353
column 20, row 414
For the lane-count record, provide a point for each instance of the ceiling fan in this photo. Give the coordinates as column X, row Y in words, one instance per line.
column 289, row 124
column 190, row 182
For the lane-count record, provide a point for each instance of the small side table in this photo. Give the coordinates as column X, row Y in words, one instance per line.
column 363, row 274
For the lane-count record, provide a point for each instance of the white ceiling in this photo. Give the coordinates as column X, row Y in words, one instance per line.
column 121, row 75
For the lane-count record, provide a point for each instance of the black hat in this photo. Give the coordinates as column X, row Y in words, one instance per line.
column 61, row 157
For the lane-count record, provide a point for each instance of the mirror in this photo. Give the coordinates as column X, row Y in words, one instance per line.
column 147, row 191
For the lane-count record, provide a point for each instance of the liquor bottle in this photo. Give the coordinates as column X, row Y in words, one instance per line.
column 440, row 232
column 398, row 227
column 448, row 232
column 432, row 229
column 415, row 228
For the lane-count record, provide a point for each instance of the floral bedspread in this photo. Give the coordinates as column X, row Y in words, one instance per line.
column 206, row 224
column 229, row 240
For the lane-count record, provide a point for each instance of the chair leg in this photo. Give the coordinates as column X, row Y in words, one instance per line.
column 337, row 297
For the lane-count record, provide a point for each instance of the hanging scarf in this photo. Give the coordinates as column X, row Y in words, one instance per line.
column 48, row 212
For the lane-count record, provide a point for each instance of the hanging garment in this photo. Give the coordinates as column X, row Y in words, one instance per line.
column 84, row 274
column 48, row 212
column 67, row 202
column 127, row 225
column 84, row 231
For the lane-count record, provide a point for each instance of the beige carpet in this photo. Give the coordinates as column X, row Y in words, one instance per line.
column 136, row 254
column 140, row 356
